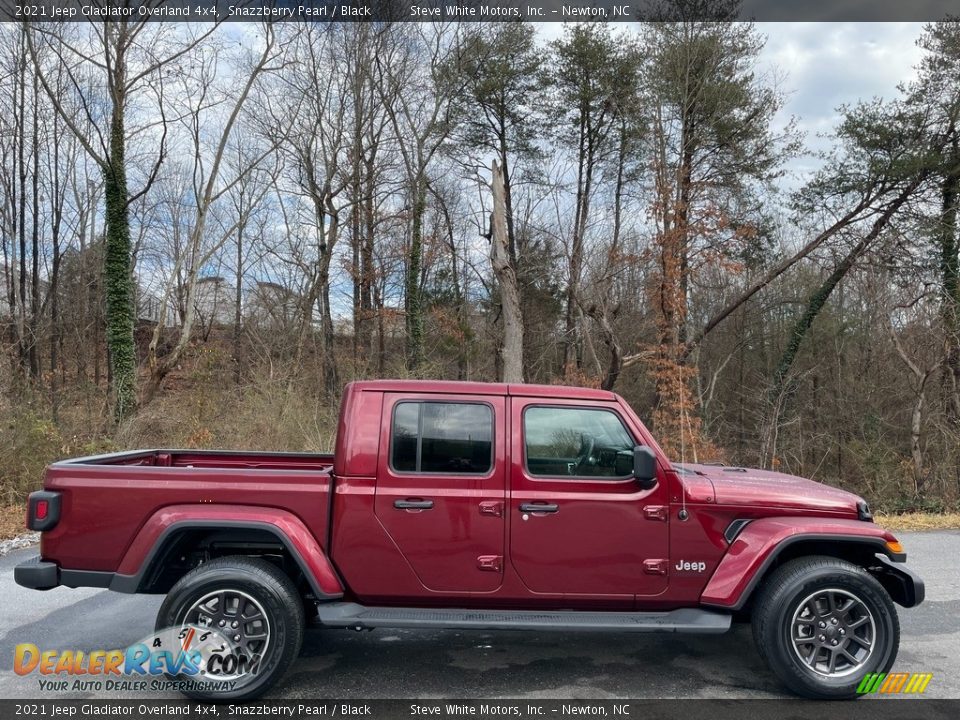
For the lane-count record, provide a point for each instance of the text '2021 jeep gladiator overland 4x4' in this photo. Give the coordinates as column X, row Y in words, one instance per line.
column 471, row 505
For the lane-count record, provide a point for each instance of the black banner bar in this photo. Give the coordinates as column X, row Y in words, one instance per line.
column 478, row 10
column 873, row 709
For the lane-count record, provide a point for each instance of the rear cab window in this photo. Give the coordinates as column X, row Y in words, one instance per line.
column 441, row 438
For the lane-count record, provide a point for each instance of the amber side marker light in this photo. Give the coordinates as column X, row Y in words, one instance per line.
column 894, row 546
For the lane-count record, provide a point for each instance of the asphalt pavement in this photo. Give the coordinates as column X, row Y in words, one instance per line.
column 345, row 664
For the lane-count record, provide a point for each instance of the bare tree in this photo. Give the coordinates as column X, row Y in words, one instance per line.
column 123, row 58
column 421, row 106
column 512, row 352
column 207, row 188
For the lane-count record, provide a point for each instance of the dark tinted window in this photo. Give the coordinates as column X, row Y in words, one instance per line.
column 442, row 437
column 406, row 420
column 576, row 441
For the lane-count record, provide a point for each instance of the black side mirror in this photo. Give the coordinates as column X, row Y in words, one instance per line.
column 644, row 466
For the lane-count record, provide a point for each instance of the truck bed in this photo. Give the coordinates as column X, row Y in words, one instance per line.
column 130, row 488
column 210, row 459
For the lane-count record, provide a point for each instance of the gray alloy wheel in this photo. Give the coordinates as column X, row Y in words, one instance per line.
column 822, row 623
column 238, row 617
column 833, row 632
column 256, row 620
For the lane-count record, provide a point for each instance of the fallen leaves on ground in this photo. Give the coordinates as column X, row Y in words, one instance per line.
column 11, row 521
column 919, row 521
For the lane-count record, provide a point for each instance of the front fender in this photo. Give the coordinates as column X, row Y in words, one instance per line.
column 285, row 526
column 758, row 545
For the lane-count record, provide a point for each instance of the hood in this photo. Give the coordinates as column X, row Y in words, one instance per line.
column 764, row 488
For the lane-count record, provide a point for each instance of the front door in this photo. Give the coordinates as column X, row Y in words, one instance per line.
column 441, row 488
column 579, row 522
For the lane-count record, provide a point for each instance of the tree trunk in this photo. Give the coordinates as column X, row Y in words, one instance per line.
column 512, row 352
column 819, row 299
column 949, row 244
column 607, row 312
column 34, row 325
column 330, row 374
column 366, row 262
column 459, row 295
column 56, row 324
column 238, row 310
column 584, row 187
column 21, row 133
column 118, row 278
column 414, row 300
column 916, row 452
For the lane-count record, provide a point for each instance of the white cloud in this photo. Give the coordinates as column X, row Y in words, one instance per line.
column 826, row 65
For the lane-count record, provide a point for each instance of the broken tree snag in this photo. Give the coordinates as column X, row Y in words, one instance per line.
column 512, row 350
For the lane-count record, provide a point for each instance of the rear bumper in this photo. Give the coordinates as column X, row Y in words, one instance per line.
column 37, row 574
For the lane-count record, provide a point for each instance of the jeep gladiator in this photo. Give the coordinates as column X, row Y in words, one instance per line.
column 477, row 506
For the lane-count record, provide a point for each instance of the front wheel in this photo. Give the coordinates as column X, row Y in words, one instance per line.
column 822, row 623
column 240, row 622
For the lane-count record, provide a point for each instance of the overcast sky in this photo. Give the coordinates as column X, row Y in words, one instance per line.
column 825, row 65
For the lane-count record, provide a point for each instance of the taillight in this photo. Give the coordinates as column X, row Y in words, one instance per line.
column 43, row 510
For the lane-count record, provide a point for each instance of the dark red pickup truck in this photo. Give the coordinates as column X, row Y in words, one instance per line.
column 471, row 505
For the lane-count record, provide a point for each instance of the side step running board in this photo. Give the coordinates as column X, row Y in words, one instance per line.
column 360, row 617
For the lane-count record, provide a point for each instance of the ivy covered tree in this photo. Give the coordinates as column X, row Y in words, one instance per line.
column 123, row 61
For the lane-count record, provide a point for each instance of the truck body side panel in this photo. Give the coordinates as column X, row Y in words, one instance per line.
column 104, row 506
column 358, row 433
column 285, row 525
column 757, row 544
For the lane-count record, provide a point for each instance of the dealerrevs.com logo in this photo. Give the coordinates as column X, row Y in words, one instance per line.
column 894, row 683
column 183, row 659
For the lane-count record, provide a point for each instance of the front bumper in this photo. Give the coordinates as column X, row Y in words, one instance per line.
column 903, row 584
column 37, row 574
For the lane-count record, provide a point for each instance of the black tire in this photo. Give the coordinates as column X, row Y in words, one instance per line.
column 268, row 587
column 804, row 598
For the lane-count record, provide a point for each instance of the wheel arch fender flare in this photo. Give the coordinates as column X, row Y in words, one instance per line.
column 763, row 542
column 146, row 550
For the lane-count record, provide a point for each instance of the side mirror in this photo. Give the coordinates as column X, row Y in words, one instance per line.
column 644, row 466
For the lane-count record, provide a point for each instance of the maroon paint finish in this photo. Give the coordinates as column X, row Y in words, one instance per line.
column 105, row 501
column 453, row 545
column 764, row 488
column 599, row 537
column 611, row 544
column 288, row 525
column 760, row 538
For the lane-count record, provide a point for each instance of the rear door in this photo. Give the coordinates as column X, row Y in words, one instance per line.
column 579, row 523
column 441, row 486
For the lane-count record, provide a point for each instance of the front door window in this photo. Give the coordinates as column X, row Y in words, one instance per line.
column 579, row 442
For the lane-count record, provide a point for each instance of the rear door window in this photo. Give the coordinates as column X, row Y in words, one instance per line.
column 442, row 438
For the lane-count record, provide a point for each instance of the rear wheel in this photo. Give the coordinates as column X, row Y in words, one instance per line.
column 244, row 620
column 822, row 623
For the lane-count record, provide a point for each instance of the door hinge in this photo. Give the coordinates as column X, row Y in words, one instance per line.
column 491, row 563
column 655, row 567
column 491, row 507
column 656, row 512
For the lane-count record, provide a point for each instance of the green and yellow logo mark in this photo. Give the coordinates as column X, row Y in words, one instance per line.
column 892, row 683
